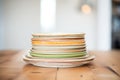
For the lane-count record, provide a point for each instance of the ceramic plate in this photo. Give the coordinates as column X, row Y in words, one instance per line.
column 63, row 63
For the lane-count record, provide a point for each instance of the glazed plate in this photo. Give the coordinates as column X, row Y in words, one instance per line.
column 56, row 62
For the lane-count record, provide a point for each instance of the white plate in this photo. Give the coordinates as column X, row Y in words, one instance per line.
column 63, row 63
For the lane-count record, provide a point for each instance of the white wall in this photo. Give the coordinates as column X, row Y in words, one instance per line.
column 96, row 25
column 1, row 26
column 69, row 19
column 22, row 18
column 104, row 15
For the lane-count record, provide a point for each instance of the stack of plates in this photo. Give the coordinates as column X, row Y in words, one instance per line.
column 58, row 50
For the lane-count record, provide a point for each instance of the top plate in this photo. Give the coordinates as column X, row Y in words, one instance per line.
column 59, row 35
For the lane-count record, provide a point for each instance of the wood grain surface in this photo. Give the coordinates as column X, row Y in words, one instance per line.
column 106, row 66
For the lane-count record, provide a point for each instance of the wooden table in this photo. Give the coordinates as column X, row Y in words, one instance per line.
column 106, row 66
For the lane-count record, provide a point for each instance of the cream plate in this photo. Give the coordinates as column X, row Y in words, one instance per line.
column 63, row 63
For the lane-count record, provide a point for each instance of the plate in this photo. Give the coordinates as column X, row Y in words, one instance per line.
column 56, row 62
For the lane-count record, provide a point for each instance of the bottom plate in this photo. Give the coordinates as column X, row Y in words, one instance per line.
column 59, row 63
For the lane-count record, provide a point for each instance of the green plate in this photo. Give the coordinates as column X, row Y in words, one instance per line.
column 40, row 55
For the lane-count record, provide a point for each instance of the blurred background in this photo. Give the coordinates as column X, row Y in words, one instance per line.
column 99, row 19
